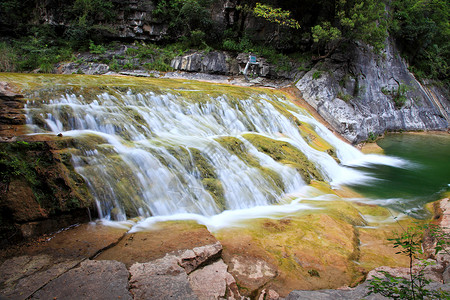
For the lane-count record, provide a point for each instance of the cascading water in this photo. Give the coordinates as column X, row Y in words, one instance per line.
column 152, row 153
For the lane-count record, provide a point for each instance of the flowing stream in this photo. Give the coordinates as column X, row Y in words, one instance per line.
column 185, row 149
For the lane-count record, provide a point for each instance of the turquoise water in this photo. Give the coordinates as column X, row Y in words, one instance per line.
column 425, row 178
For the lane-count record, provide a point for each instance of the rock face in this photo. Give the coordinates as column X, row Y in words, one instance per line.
column 356, row 93
column 12, row 119
column 225, row 63
column 213, row 62
column 39, row 185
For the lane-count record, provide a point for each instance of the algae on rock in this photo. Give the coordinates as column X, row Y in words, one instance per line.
column 287, row 154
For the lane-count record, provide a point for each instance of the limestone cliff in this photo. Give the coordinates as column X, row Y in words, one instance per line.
column 362, row 94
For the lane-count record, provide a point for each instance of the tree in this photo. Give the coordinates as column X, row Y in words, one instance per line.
column 353, row 20
column 282, row 18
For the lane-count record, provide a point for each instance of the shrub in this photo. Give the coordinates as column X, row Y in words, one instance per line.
column 96, row 49
column 409, row 243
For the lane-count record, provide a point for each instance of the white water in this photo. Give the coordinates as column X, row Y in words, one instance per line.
column 147, row 162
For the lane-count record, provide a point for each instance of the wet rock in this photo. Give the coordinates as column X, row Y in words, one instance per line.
column 22, row 276
column 84, row 241
column 92, row 280
column 27, row 208
column 12, row 118
column 160, row 279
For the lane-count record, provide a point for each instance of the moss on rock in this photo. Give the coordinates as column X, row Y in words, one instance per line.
column 287, row 154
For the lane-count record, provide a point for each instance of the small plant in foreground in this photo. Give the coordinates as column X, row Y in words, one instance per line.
column 409, row 243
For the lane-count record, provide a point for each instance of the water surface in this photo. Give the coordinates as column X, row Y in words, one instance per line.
column 426, row 178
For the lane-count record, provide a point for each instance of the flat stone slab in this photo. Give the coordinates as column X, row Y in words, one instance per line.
column 22, row 276
column 92, row 280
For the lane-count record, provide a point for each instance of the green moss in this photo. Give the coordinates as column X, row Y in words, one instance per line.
column 215, row 188
column 203, row 166
column 237, row 147
column 287, row 154
column 52, row 179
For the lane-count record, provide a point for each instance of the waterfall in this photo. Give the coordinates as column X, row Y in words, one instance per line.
column 161, row 153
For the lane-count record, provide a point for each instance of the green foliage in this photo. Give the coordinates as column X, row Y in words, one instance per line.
column 372, row 137
column 398, row 95
column 18, row 164
column 96, row 49
column 325, row 33
column 86, row 11
column 197, row 38
column 409, row 243
column 343, row 96
column 354, row 20
column 422, row 29
column 186, row 17
column 114, row 65
column 32, row 52
column 275, row 15
column 8, row 58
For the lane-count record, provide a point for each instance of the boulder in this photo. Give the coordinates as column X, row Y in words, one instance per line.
column 168, row 277
column 213, row 282
column 360, row 292
column 192, row 259
column 87, row 68
column 160, row 279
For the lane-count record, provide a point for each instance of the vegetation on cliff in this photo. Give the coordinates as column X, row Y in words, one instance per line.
column 272, row 28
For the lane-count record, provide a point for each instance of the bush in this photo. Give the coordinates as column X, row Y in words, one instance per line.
column 96, row 49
